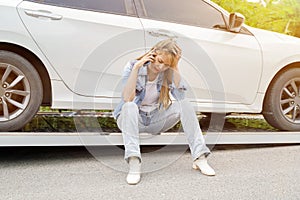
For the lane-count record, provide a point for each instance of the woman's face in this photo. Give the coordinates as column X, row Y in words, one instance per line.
column 162, row 62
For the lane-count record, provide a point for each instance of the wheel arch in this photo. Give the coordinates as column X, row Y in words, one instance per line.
column 281, row 71
column 38, row 65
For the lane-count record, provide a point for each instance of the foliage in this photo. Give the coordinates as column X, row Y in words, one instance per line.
column 71, row 124
column 250, row 124
column 282, row 17
column 105, row 125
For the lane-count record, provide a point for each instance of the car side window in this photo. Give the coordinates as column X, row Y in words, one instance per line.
column 123, row 7
column 189, row 12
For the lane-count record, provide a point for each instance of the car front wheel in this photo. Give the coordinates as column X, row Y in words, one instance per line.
column 20, row 91
column 281, row 107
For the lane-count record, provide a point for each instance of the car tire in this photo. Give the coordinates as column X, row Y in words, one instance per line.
column 21, row 91
column 281, row 107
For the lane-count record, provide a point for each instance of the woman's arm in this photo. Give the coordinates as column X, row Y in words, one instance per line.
column 176, row 73
column 129, row 90
column 176, row 77
column 178, row 86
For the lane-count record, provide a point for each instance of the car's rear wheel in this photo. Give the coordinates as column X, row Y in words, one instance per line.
column 20, row 91
column 281, row 107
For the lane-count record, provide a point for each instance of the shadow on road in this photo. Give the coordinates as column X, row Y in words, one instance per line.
column 74, row 152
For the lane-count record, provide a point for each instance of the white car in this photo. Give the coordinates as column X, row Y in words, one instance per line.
column 71, row 54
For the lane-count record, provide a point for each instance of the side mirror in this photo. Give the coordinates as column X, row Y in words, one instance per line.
column 236, row 21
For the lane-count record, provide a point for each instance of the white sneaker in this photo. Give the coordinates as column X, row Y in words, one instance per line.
column 134, row 174
column 203, row 166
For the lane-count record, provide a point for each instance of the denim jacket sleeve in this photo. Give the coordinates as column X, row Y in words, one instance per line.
column 178, row 92
column 126, row 74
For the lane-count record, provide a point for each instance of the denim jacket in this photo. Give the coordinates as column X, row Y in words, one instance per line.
column 177, row 93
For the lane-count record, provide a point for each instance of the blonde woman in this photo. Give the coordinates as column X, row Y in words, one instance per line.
column 146, row 106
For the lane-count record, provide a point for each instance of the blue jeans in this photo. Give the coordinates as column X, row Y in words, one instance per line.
column 132, row 122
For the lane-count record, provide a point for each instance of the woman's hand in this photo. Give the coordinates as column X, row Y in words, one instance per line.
column 177, row 56
column 149, row 57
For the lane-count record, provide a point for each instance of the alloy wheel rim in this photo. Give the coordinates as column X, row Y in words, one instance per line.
column 290, row 100
column 14, row 92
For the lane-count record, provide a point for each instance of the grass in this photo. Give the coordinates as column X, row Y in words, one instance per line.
column 53, row 123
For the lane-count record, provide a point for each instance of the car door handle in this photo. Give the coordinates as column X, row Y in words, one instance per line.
column 162, row 33
column 43, row 13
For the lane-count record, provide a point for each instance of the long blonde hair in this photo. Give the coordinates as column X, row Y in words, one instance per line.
column 170, row 47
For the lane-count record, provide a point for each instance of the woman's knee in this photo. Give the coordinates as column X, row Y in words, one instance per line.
column 181, row 104
column 185, row 105
column 130, row 106
column 129, row 111
column 184, row 101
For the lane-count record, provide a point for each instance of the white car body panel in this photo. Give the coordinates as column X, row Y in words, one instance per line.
column 278, row 51
column 10, row 3
column 244, row 59
column 14, row 32
column 72, row 50
column 66, row 99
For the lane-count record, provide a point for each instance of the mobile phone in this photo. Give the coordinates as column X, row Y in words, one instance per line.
column 148, row 62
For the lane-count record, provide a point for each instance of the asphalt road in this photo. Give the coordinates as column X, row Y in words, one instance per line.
column 243, row 172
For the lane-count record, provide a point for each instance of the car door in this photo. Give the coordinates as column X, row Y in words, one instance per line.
column 219, row 66
column 87, row 42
